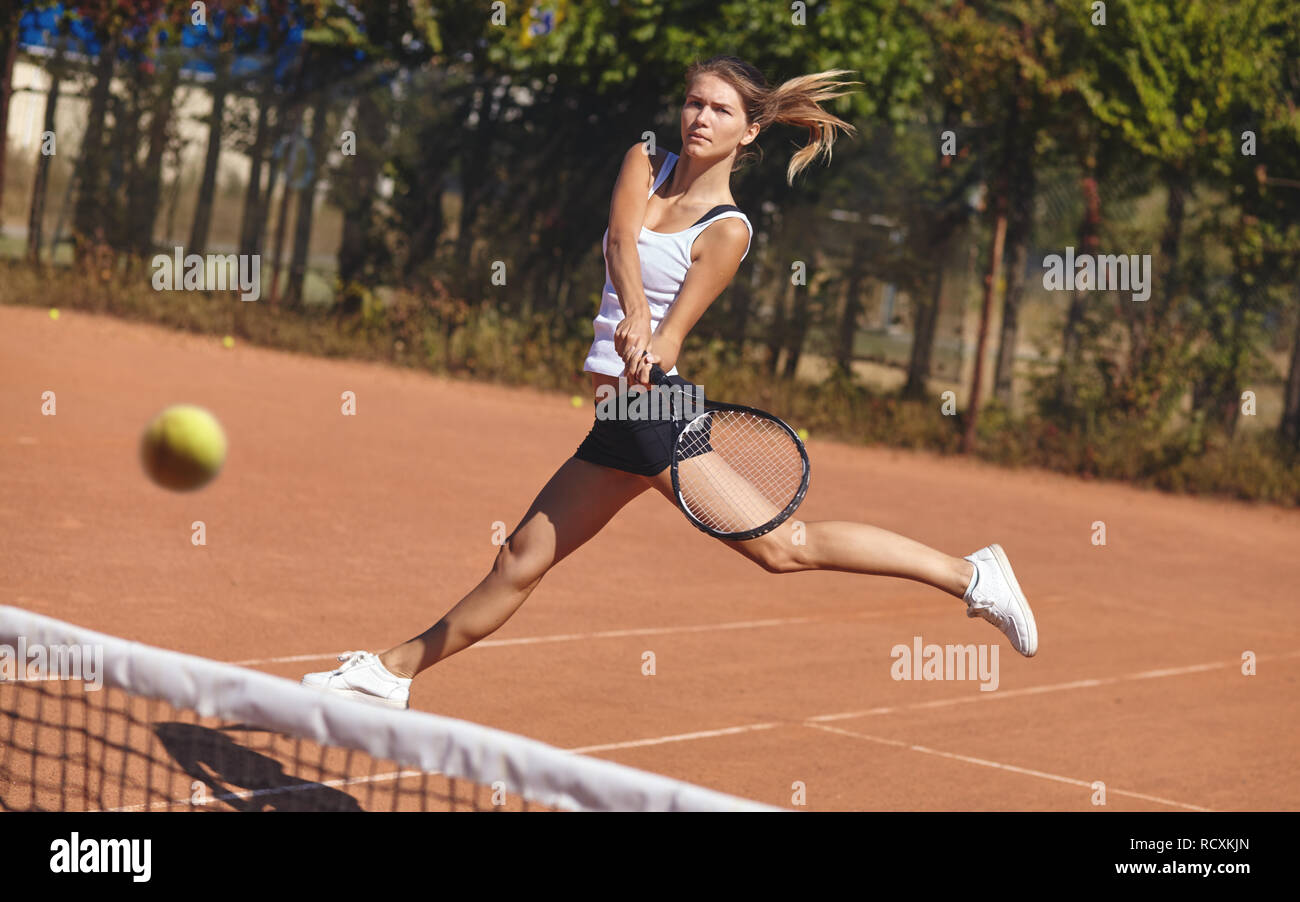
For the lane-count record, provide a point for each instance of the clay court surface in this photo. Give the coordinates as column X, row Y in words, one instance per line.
column 328, row 533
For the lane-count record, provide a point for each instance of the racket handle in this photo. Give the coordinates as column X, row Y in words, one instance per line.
column 657, row 375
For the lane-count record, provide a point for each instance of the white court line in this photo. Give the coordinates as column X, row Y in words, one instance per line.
column 623, row 634
column 815, row 719
column 1051, row 687
column 984, row 762
column 680, row 737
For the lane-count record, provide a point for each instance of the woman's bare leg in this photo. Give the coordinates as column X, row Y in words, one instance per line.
column 849, row 547
column 573, row 506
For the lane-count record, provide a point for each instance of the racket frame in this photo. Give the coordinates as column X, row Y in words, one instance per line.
column 711, row 407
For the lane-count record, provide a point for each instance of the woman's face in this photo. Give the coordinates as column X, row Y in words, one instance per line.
column 713, row 119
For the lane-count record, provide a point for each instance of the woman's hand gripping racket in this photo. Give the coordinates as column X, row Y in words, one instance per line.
column 738, row 473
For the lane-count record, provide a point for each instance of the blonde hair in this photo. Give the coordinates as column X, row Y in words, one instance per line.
column 795, row 102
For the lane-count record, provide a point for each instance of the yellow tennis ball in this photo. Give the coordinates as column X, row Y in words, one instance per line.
column 802, row 433
column 54, row 313
column 183, row 448
column 576, row 401
column 228, row 341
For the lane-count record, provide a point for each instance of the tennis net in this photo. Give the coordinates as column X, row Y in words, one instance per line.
column 94, row 722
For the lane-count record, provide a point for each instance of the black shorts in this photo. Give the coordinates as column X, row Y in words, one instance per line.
column 640, row 446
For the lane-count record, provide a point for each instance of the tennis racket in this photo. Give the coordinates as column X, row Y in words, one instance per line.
column 738, row 473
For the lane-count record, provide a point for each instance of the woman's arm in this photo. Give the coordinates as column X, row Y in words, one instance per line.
column 715, row 257
column 626, row 216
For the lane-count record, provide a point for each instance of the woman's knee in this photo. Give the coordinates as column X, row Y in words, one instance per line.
column 521, row 562
column 775, row 555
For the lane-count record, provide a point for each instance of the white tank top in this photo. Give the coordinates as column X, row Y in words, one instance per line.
column 665, row 258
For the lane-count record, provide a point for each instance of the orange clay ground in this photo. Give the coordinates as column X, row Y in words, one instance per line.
column 328, row 533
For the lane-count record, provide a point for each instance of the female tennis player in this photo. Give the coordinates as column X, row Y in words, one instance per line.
column 674, row 242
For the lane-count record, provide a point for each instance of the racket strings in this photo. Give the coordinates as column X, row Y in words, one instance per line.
column 737, row 471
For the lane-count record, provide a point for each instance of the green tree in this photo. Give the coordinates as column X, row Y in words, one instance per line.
column 1176, row 78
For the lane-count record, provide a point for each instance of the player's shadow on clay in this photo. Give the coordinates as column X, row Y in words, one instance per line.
column 239, row 778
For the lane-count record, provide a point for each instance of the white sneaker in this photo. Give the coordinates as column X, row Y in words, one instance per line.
column 365, row 677
column 995, row 595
